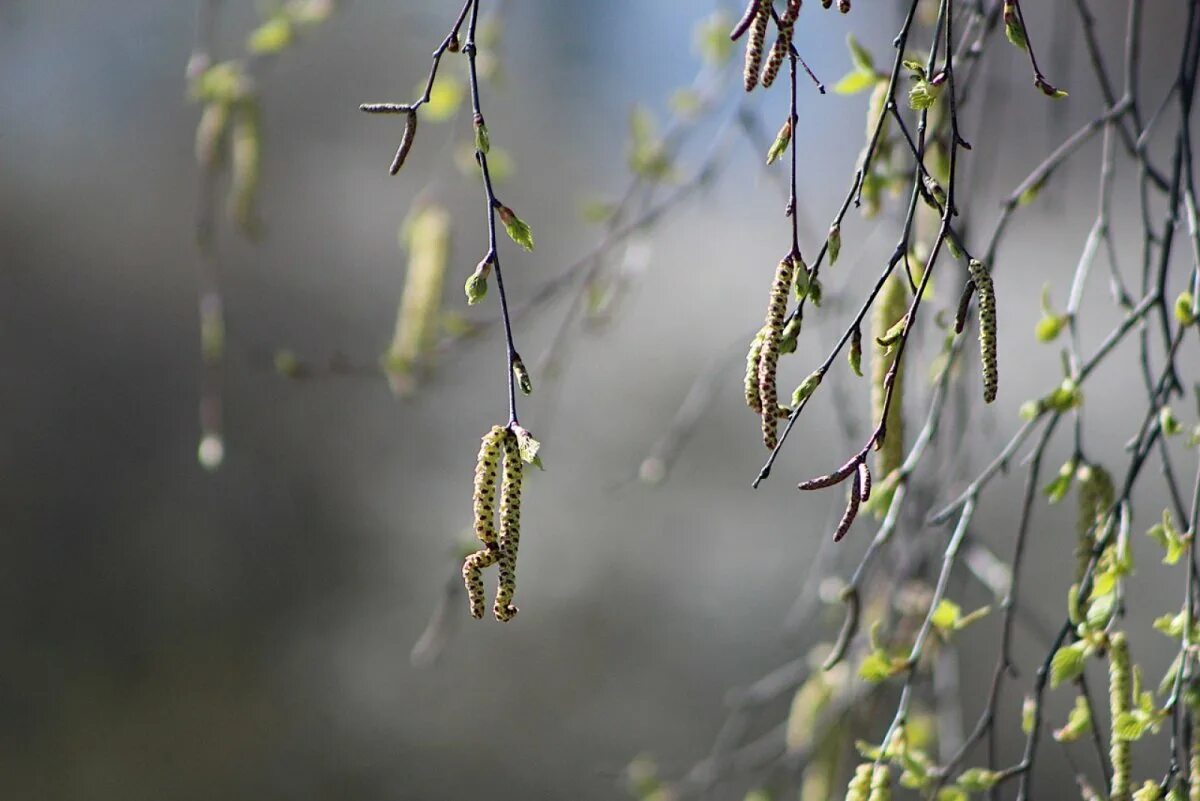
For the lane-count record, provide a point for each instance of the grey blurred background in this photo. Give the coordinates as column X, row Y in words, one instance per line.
column 168, row 633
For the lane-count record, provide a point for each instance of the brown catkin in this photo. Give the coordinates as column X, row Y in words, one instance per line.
column 783, row 43
column 987, row 327
column 1120, row 702
column 768, row 393
column 754, row 44
column 406, row 141
column 889, row 308
column 510, row 529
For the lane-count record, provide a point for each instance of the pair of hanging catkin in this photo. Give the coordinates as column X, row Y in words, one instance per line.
column 497, row 548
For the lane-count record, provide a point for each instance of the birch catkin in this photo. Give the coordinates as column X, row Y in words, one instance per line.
column 484, row 505
column 783, row 43
column 752, row 360
column 427, row 238
column 860, row 785
column 754, row 44
column 510, row 529
column 1120, row 701
column 890, row 307
column 768, row 393
column 987, row 327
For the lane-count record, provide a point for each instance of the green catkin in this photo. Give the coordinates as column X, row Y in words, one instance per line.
column 881, row 784
column 987, row 327
column 427, row 239
column 1194, row 770
column 510, row 529
column 754, row 44
column 484, row 505
column 1095, row 496
column 752, row 360
column 890, row 307
column 210, row 131
column 783, row 43
column 860, row 785
column 769, row 358
column 246, row 150
column 1120, row 701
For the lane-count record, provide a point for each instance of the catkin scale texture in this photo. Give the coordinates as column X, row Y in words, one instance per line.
column 510, row 529
column 890, row 306
column 987, row 328
column 1120, row 701
column 754, row 44
column 768, row 393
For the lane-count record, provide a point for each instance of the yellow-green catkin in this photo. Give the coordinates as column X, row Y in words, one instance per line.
column 752, row 360
column 510, row 529
column 1194, row 770
column 860, row 784
column 768, row 393
column 881, row 784
column 210, row 131
column 1095, row 495
column 754, row 44
column 484, row 506
column 783, row 43
column 246, row 156
column 890, row 307
column 427, row 239
column 987, row 327
column 1120, row 702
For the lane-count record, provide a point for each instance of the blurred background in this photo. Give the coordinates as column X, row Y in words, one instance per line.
column 167, row 632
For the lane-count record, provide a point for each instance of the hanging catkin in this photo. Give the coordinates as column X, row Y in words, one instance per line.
column 752, row 360
column 890, row 307
column 510, row 529
column 783, row 43
column 987, row 327
column 484, row 506
column 426, row 237
column 860, row 785
column 754, row 44
column 769, row 357
column 1120, row 702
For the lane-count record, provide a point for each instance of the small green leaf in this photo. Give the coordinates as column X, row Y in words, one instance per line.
column 1013, row 28
column 1185, row 308
column 518, row 230
column 1049, row 327
column 1167, row 421
column 1028, row 714
column 877, row 666
column 528, row 446
column 780, row 145
column 1068, row 663
column 923, row 95
column 854, row 82
column 863, row 61
column 1057, row 489
column 975, row 780
column 834, row 243
column 806, row 388
column 946, row 616
column 1079, row 722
